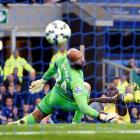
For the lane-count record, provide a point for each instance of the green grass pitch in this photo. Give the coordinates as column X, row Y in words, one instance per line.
column 71, row 132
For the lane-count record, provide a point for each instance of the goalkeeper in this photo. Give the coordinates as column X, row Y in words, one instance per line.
column 68, row 94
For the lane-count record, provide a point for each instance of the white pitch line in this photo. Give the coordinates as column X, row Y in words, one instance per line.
column 83, row 132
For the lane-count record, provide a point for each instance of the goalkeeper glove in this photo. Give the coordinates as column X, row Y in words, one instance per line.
column 109, row 117
column 37, row 86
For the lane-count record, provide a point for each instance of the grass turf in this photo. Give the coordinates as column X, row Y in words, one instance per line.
column 71, row 132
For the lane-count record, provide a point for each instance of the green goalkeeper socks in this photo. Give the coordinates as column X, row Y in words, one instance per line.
column 29, row 119
column 77, row 117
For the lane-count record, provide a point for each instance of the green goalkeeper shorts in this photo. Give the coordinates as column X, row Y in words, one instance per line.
column 53, row 101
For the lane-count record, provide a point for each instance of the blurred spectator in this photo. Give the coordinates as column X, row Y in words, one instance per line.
column 7, row 110
column 37, row 101
column 135, row 73
column 11, row 91
column 15, row 113
column 11, row 80
column 18, row 87
column 9, row 94
column 46, row 88
column 21, row 97
column 2, row 94
column 1, row 100
column 2, row 89
column 133, row 65
column 1, row 73
column 134, row 114
column 9, row 120
column 138, row 119
column 2, row 118
column 27, row 81
column 26, row 109
column 16, row 61
column 15, row 75
column 32, row 76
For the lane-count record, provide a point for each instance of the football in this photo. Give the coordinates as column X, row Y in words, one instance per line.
column 57, row 32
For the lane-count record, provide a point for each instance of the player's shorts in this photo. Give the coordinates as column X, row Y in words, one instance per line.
column 54, row 101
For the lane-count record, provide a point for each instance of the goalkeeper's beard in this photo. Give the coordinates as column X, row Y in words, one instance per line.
column 77, row 66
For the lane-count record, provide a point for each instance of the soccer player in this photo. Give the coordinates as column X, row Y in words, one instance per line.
column 68, row 94
column 132, row 94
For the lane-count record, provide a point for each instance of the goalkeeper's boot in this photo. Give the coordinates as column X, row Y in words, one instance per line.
column 19, row 122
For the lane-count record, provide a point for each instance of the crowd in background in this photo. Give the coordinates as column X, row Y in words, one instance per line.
column 16, row 101
column 15, row 98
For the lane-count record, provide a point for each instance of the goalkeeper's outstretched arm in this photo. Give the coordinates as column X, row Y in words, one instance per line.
column 81, row 98
column 50, row 72
column 38, row 85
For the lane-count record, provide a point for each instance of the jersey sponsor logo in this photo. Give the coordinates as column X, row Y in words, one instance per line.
column 78, row 89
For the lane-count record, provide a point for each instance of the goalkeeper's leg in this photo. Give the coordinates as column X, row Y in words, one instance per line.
column 32, row 118
column 43, row 109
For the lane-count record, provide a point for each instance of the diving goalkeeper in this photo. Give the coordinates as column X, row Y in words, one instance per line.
column 68, row 94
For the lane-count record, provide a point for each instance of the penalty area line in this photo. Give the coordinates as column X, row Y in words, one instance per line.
column 84, row 132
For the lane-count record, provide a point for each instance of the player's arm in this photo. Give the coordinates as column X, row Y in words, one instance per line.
column 38, row 85
column 50, row 72
column 78, row 114
column 110, row 93
column 113, row 96
column 80, row 96
column 27, row 66
column 102, row 100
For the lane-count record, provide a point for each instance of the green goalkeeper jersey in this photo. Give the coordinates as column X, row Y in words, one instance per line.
column 70, row 86
column 68, row 80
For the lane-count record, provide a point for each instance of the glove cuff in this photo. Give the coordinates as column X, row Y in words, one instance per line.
column 43, row 81
column 102, row 116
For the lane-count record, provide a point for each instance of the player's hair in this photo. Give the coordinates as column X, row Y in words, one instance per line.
column 115, row 78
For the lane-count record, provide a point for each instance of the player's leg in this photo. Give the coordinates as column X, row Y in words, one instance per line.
column 35, row 117
column 77, row 116
column 121, row 106
column 32, row 118
column 47, row 106
column 43, row 109
column 127, row 97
